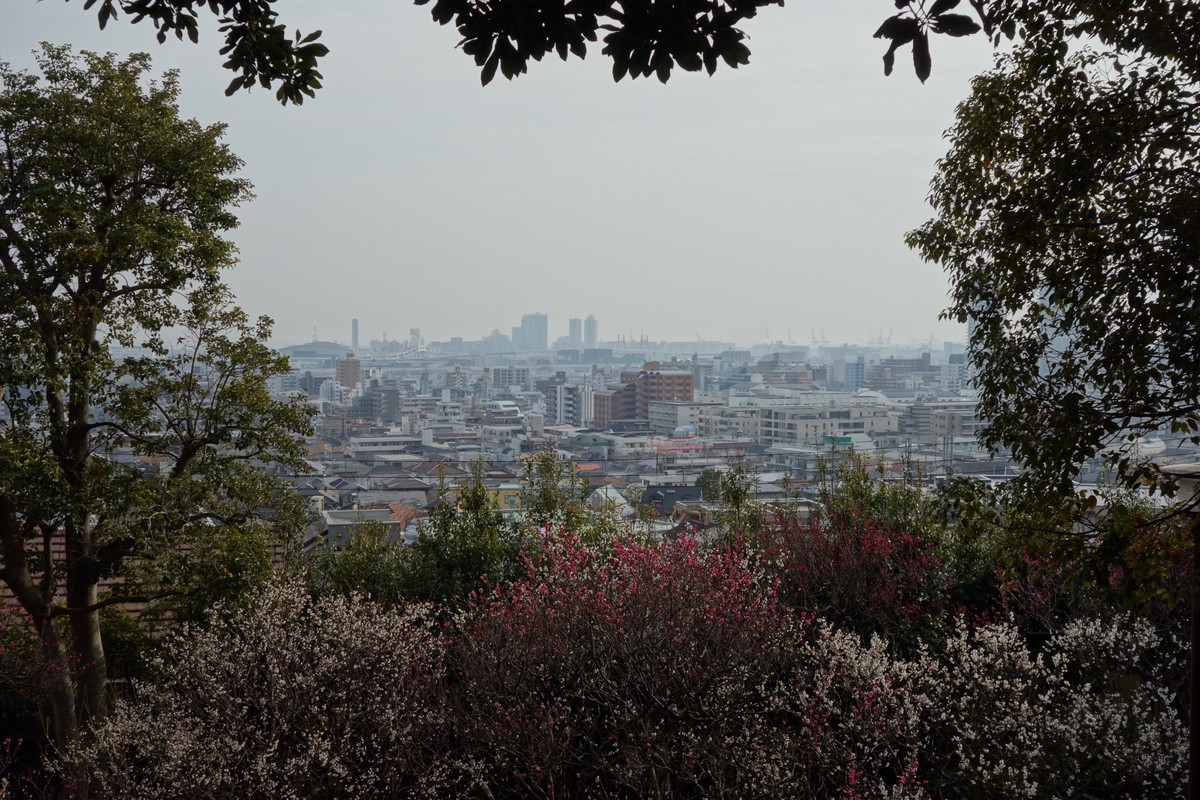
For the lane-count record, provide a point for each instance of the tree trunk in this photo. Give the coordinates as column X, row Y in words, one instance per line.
column 37, row 600
column 60, row 689
column 91, row 666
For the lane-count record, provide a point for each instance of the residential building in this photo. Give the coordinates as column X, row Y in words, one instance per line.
column 667, row 416
column 348, row 371
column 568, row 404
column 810, row 425
column 650, row 384
column 508, row 376
column 618, row 401
column 918, row 423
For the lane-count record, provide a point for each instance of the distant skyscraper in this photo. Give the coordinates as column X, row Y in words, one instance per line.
column 535, row 331
column 574, row 333
column 591, row 332
column 354, row 335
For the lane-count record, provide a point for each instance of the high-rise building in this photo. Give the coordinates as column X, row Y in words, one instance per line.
column 348, row 371
column 574, row 333
column 591, row 332
column 856, row 374
column 631, row 398
column 508, row 376
column 566, row 403
column 535, row 332
column 655, row 384
column 354, row 335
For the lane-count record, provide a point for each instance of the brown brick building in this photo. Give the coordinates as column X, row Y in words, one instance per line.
column 631, row 398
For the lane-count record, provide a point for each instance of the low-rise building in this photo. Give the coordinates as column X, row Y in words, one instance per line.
column 666, row 416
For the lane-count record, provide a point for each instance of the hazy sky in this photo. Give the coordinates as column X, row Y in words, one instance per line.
column 768, row 199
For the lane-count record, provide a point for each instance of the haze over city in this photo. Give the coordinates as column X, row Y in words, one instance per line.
column 764, row 202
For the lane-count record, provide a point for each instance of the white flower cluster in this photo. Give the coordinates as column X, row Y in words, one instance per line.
column 983, row 715
column 1087, row 716
column 290, row 700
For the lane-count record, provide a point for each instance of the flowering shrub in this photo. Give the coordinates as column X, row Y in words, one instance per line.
column 1088, row 717
column 291, row 698
column 857, row 574
column 639, row 670
column 21, row 662
column 858, row 720
column 1052, row 580
column 23, row 672
column 665, row 671
column 646, row 673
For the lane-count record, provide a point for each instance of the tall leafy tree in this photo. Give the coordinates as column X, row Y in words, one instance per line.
column 1068, row 218
column 112, row 210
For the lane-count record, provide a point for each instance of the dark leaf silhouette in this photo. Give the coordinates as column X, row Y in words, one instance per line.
column 942, row 6
column 955, row 24
column 921, row 61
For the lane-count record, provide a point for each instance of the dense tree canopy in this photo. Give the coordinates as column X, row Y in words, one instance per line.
column 645, row 38
column 641, row 37
column 1068, row 218
column 257, row 45
column 112, row 211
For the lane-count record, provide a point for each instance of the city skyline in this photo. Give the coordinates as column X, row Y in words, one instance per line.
column 738, row 207
column 555, row 338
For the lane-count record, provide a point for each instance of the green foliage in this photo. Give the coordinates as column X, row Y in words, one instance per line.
column 554, row 497
column 847, row 490
column 20, row 659
column 1067, row 214
column 914, row 24
column 642, row 38
column 1067, row 219
column 257, row 46
column 370, row 565
column 741, row 515
column 1046, row 563
column 645, row 39
column 129, row 647
column 709, row 482
column 222, row 566
column 553, row 492
column 112, row 210
column 464, row 538
column 1156, row 30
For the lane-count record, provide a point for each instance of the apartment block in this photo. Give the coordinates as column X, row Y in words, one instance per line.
column 667, row 415
column 811, row 425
